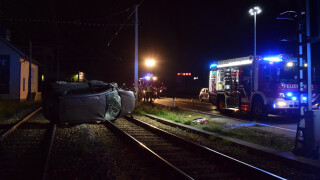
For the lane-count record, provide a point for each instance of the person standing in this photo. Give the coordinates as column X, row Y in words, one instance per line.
column 148, row 92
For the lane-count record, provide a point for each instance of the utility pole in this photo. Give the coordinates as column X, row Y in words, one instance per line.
column 304, row 143
column 29, row 78
column 136, row 53
column 309, row 55
column 58, row 54
column 255, row 36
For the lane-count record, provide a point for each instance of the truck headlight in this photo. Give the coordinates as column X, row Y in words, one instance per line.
column 281, row 103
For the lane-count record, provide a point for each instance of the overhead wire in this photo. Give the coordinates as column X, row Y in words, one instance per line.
column 112, row 15
column 117, row 32
column 53, row 21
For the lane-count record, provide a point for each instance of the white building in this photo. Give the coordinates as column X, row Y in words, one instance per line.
column 14, row 73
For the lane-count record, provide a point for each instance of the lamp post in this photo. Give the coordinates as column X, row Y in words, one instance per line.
column 253, row 12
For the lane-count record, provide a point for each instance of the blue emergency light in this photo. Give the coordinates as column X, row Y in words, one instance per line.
column 289, row 94
column 304, row 98
column 213, row 65
column 147, row 77
column 272, row 59
column 294, row 98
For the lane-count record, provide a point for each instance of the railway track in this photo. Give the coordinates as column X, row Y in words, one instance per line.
column 25, row 148
column 184, row 159
column 34, row 148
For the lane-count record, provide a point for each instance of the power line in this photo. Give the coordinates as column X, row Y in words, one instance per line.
column 72, row 22
column 112, row 15
column 117, row 32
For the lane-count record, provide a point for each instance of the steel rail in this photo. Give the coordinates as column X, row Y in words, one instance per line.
column 171, row 169
column 257, row 172
column 50, row 134
column 53, row 128
column 13, row 128
column 245, row 170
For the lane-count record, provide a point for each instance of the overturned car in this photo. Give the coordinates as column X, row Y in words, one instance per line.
column 86, row 102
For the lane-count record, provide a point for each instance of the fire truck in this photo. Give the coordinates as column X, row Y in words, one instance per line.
column 258, row 85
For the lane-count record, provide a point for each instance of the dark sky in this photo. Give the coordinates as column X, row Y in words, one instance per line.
column 183, row 36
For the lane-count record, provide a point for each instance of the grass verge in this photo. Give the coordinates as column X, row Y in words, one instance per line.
column 170, row 113
column 250, row 134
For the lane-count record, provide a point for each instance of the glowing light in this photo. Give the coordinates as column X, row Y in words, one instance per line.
column 236, row 63
column 290, row 64
column 150, row 62
column 42, row 77
column 305, row 64
column 213, row 65
column 255, row 10
column 289, row 94
column 147, row 78
column 294, row 98
column 81, row 76
column 272, row 59
column 184, row 74
column 274, row 106
column 304, row 98
column 281, row 103
column 154, row 78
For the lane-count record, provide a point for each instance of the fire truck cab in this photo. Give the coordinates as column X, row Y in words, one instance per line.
column 260, row 86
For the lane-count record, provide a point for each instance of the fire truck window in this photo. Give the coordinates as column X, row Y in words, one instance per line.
column 246, row 78
column 267, row 73
column 287, row 75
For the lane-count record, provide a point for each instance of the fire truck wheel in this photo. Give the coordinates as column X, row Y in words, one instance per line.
column 259, row 110
column 222, row 105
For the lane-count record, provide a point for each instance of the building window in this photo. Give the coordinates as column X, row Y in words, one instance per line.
column 24, row 84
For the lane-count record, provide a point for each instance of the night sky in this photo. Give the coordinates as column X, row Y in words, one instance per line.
column 182, row 36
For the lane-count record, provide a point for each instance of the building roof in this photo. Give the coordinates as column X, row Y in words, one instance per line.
column 18, row 51
column 13, row 47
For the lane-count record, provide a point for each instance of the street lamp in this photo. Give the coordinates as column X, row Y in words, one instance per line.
column 253, row 12
column 150, row 62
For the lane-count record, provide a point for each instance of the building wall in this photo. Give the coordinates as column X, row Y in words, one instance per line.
column 34, row 78
column 14, row 77
column 24, row 79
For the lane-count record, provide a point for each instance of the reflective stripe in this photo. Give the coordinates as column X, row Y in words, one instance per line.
column 148, row 89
